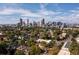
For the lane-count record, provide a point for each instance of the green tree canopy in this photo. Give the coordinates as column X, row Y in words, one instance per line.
column 74, row 48
column 35, row 50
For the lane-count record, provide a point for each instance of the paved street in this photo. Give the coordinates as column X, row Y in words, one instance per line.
column 64, row 50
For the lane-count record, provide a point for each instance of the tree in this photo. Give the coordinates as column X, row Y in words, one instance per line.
column 30, row 42
column 51, row 44
column 42, row 35
column 75, row 33
column 19, row 52
column 3, row 47
column 43, row 44
column 53, row 50
column 35, row 50
column 74, row 48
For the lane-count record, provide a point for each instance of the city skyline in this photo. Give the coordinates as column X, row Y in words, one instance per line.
column 66, row 12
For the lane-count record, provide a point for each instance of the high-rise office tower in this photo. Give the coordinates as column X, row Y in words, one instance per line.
column 34, row 24
column 27, row 22
column 38, row 24
column 21, row 21
column 43, row 22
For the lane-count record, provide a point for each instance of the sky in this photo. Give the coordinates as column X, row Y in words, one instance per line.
column 10, row 13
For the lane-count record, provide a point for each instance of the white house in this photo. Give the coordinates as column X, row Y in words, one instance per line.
column 63, row 34
column 77, row 39
column 43, row 40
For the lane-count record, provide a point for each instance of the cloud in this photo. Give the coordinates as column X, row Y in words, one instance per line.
column 42, row 12
column 21, row 12
column 9, row 11
column 28, row 13
column 43, row 6
column 72, row 16
column 8, row 20
column 6, row 12
column 48, row 13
